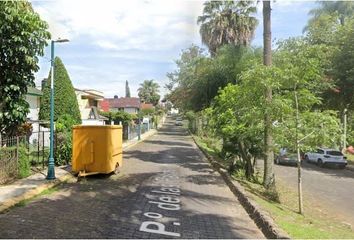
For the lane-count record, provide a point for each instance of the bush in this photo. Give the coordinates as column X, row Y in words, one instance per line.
column 24, row 166
column 64, row 97
column 63, row 150
column 190, row 115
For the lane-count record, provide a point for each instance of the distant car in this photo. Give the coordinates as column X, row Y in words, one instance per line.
column 178, row 121
column 326, row 156
column 287, row 159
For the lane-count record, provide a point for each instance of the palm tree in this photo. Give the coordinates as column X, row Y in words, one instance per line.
column 227, row 22
column 342, row 9
column 149, row 92
column 268, row 178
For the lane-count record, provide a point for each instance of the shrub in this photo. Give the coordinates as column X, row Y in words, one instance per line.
column 24, row 166
column 63, row 150
column 64, row 97
column 190, row 115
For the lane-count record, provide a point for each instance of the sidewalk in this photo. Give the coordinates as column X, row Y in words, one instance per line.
column 26, row 188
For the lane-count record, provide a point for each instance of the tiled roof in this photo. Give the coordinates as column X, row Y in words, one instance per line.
column 123, row 102
column 103, row 105
column 147, row 106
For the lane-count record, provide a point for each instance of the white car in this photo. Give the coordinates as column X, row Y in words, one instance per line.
column 327, row 156
column 179, row 121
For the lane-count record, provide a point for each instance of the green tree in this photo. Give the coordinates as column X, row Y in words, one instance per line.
column 149, row 92
column 238, row 111
column 65, row 101
column 227, row 22
column 341, row 9
column 342, row 70
column 23, row 36
column 127, row 89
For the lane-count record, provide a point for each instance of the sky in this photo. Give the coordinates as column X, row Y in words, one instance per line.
column 112, row 41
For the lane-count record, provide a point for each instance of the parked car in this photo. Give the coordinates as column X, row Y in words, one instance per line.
column 287, row 159
column 326, row 156
column 178, row 121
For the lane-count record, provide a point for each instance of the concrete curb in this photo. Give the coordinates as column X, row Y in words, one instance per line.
column 52, row 183
column 130, row 144
column 262, row 218
column 33, row 192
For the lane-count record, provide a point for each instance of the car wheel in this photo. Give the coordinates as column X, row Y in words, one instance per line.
column 307, row 159
column 319, row 163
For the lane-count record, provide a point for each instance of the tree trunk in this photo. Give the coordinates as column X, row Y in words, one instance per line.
column 249, row 171
column 268, row 177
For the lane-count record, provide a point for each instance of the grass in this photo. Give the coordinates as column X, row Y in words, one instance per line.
column 45, row 192
column 314, row 224
column 350, row 158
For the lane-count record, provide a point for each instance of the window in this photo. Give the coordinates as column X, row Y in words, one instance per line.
column 334, row 153
column 320, row 151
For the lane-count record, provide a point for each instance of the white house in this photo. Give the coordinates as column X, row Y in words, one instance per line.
column 88, row 101
column 130, row 105
column 33, row 98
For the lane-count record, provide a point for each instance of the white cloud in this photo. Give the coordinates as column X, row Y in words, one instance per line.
column 135, row 23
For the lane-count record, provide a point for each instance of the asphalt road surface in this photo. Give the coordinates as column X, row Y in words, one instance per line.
column 330, row 188
column 164, row 190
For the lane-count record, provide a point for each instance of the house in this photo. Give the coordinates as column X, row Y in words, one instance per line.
column 129, row 105
column 88, row 101
column 33, row 98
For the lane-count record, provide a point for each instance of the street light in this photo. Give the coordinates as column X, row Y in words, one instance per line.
column 51, row 172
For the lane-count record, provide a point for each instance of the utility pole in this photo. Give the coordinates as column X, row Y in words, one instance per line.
column 51, row 170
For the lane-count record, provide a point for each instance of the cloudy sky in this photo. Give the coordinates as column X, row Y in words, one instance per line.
column 112, row 41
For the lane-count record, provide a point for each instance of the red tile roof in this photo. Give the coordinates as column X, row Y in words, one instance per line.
column 104, row 105
column 123, row 102
column 147, row 106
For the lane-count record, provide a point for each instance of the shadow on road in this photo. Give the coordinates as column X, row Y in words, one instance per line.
column 334, row 172
column 102, row 207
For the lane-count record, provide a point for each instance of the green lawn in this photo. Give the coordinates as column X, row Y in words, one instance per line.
column 350, row 158
column 314, row 224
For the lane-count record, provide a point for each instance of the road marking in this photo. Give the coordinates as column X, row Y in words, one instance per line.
column 168, row 199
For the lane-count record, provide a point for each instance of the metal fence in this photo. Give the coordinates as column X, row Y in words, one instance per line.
column 131, row 132
column 9, row 152
column 33, row 148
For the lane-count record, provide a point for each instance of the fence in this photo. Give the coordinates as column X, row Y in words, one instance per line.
column 33, row 148
column 9, row 154
column 131, row 132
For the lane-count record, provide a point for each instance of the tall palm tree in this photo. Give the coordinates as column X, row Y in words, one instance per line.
column 227, row 22
column 268, row 178
column 149, row 92
column 342, row 9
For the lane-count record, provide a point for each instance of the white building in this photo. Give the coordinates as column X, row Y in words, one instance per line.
column 39, row 134
column 88, row 101
column 129, row 105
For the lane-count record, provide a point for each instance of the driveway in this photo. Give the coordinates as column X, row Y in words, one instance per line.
column 164, row 190
column 332, row 188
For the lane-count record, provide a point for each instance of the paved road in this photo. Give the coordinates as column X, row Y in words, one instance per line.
column 164, row 190
column 331, row 188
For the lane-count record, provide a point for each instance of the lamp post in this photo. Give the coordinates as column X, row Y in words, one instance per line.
column 51, row 172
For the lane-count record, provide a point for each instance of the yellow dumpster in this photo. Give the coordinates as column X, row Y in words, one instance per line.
column 96, row 149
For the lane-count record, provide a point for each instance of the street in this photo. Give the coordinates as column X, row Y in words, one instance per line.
column 332, row 189
column 164, row 190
